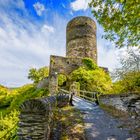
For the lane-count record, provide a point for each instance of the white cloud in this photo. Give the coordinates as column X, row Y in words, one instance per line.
column 107, row 57
column 12, row 3
column 47, row 28
column 39, row 8
column 80, row 5
column 25, row 44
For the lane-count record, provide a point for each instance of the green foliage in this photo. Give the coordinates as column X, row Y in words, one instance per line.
column 9, row 114
column 91, row 77
column 128, row 74
column 120, row 20
column 129, row 83
column 8, row 126
column 6, row 96
column 92, row 80
column 61, row 79
column 37, row 75
column 27, row 92
column 89, row 64
column 118, row 87
column 3, row 90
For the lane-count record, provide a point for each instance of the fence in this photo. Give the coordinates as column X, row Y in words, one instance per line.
column 91, row 96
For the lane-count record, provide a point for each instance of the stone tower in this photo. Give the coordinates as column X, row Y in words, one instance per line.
column 80, row 43
column 81, row 38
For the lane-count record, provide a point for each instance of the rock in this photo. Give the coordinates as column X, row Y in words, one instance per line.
column 43, row 83
column 133, row 117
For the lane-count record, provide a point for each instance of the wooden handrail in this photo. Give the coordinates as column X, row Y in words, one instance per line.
column 92, row 99
column 63, row 90
column 87, row 91
column 93, row 94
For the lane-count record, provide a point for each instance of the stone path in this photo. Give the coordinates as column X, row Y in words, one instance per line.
column 99, row 125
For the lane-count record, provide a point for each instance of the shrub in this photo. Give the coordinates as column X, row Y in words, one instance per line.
column 89, row 64
column 37, row 75
column 8, row 126
column 61, row 79
column 129, row 83
column 27, row 92
column 92, row 80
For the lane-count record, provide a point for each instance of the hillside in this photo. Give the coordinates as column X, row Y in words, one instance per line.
column 10, row 100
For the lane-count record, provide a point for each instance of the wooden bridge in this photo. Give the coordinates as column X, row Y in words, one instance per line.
column 88, row 95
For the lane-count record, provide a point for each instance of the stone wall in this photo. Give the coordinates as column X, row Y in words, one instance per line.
column 126, row 107
column 36, row 120
column 43, row 83
column 81, row 38
column 61, row 65
column 129, row 103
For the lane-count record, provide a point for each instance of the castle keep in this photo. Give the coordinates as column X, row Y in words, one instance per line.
column 81, row 38
column 80, row 43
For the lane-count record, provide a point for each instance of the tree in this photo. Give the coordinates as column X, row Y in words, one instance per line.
column 127, row 76
column 129, row 83
column 37, row 75
column 120, row 20
column 92, row 79
column 130, row 62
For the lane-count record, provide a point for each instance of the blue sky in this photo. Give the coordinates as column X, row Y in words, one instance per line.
column 32, row 30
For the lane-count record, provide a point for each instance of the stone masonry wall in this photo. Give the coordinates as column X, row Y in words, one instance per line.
column 126, row 107
column 81, row 38
column 129, row 103
column 61, row 65
column 36, row 120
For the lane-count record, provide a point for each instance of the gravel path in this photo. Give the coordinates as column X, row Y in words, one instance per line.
column 99, row 125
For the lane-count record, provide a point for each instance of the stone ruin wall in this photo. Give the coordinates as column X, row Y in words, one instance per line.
column 64, row 65
column 36, row 120
column 61, row 65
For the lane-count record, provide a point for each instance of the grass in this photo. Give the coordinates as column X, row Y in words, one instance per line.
column 113, row 111
column 71, row 123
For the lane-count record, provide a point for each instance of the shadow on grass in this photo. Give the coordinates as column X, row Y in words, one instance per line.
column 70, row 124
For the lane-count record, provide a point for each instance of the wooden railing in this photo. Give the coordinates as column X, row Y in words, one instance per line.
column 64, row 91
column 88, row 95
column 91, row 96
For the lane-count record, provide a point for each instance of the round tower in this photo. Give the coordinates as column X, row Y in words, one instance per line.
column 81, row 38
